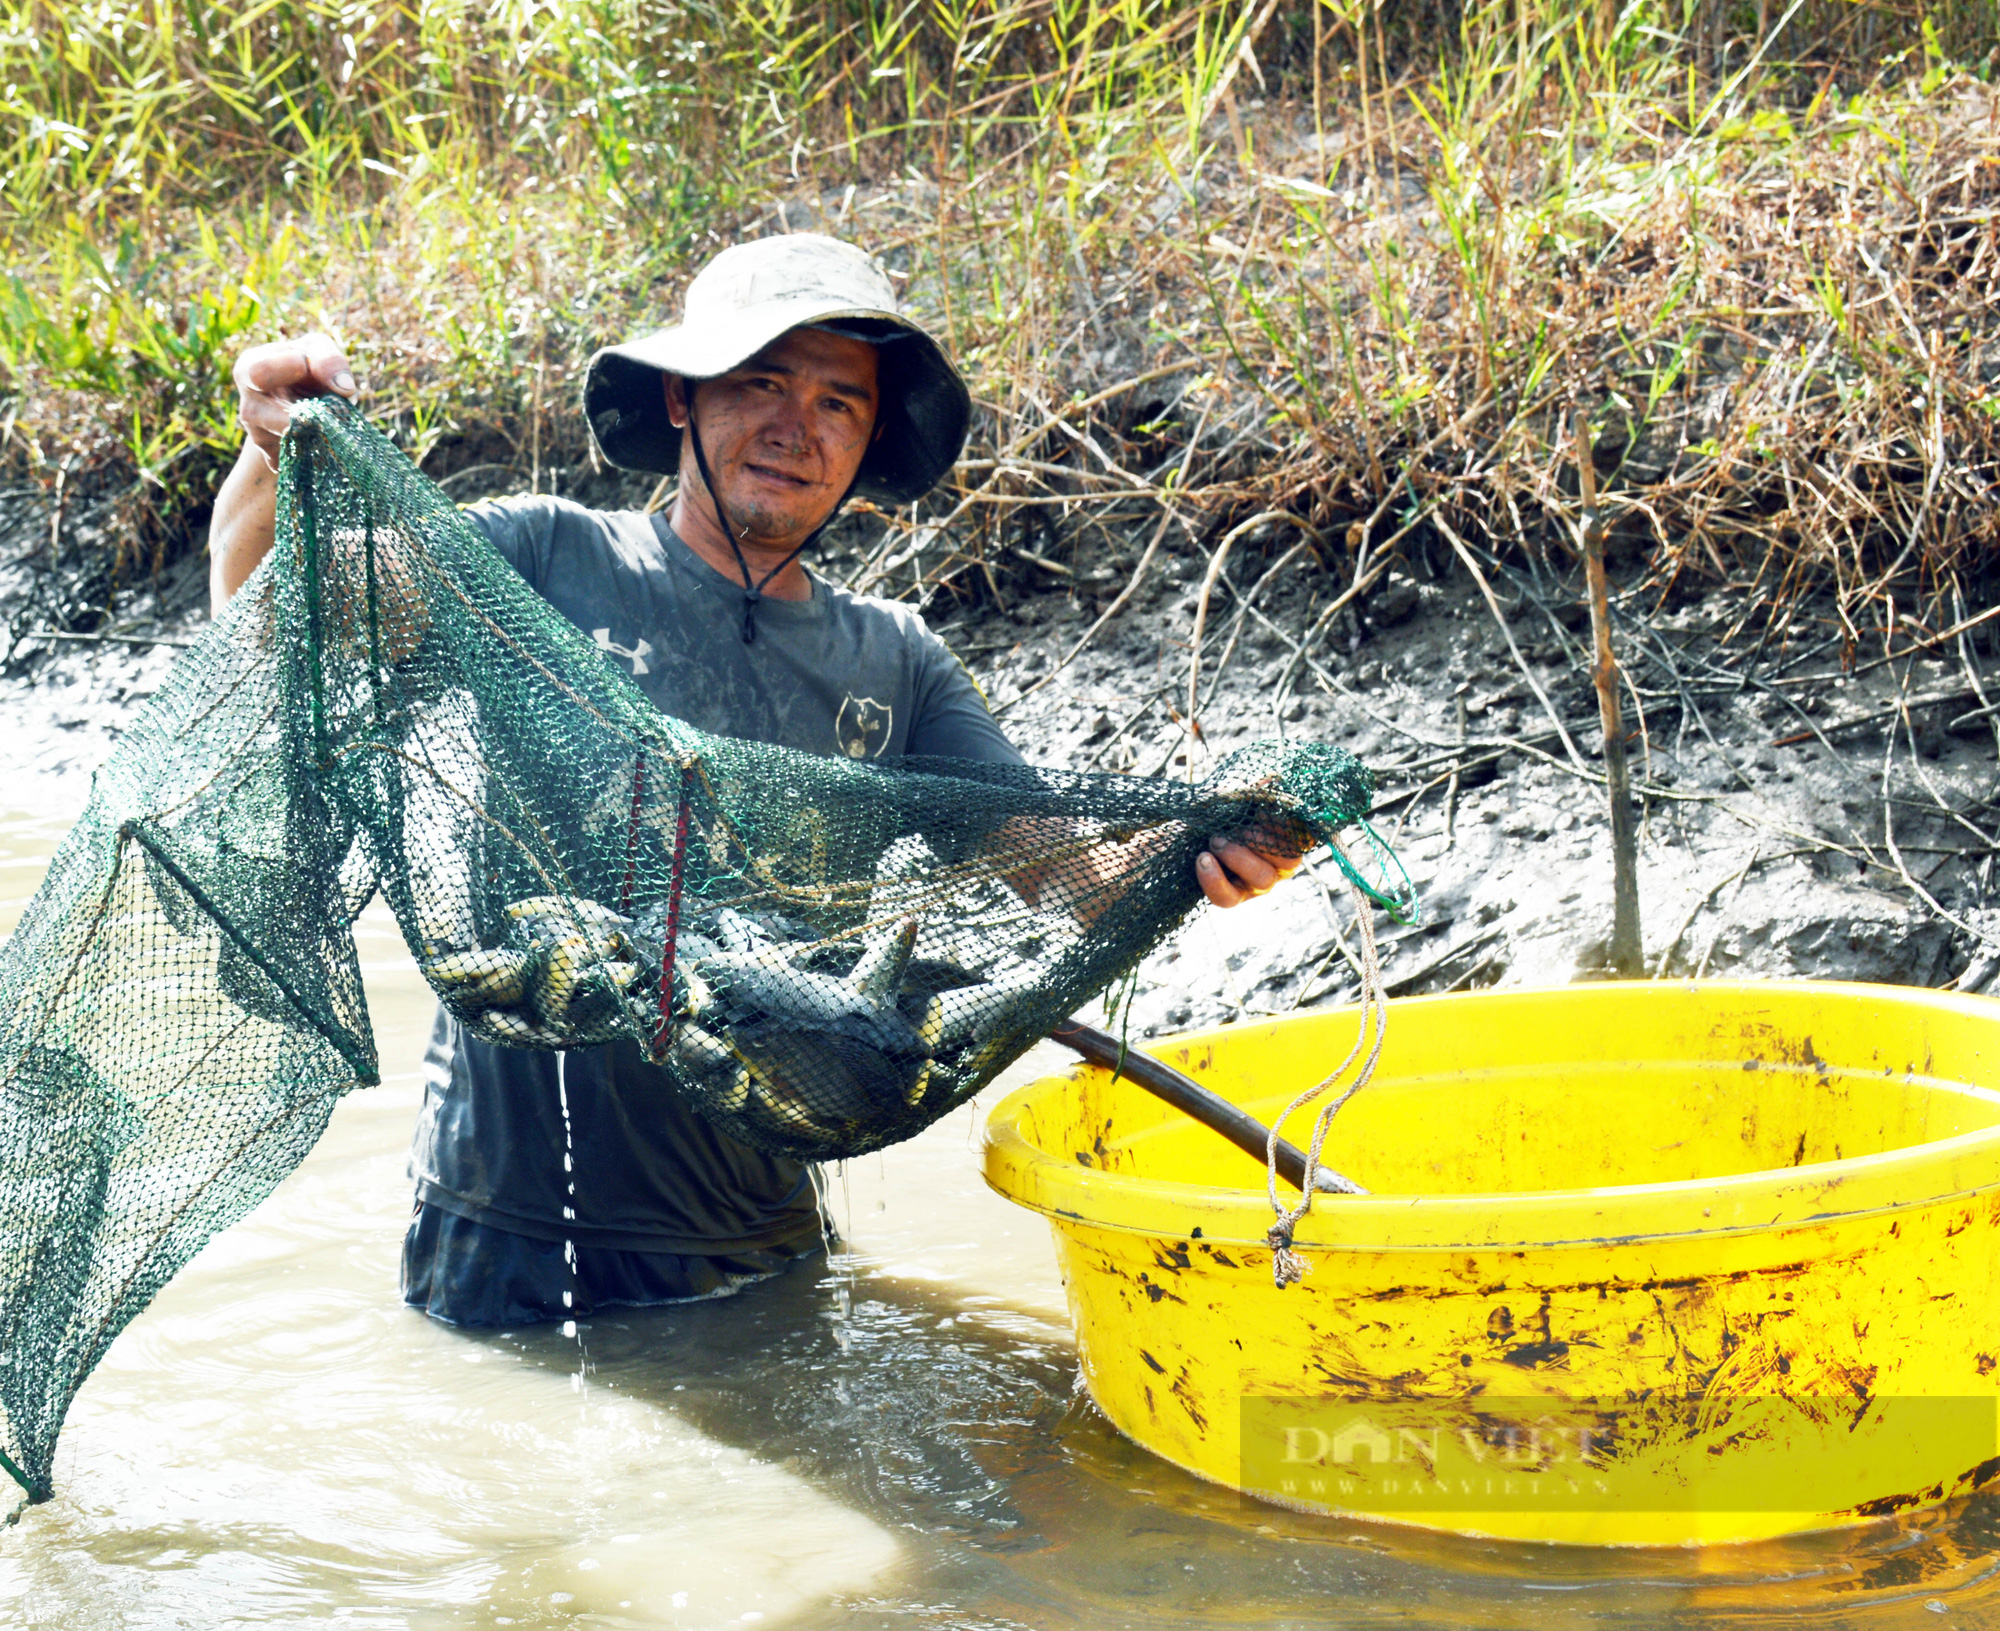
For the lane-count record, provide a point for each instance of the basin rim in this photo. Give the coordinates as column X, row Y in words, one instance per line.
column 1769, row 1202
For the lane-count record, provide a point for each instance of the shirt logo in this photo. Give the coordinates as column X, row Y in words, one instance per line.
column 636, row 654
column 863, row 726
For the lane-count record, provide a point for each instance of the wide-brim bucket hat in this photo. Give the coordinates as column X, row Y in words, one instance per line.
column 739, row 303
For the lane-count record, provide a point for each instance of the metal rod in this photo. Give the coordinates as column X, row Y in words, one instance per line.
column 1213, row 1111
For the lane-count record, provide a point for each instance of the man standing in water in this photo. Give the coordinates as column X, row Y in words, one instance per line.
column 792, row 382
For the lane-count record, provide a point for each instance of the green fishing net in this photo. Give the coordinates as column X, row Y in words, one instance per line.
column 826, row 955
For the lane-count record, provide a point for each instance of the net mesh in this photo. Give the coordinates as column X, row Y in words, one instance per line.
column 825, row 955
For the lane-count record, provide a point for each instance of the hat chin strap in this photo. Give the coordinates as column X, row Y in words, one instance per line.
column 753, row 593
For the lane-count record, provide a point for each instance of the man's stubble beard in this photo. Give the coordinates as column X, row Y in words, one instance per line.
column 764, row 527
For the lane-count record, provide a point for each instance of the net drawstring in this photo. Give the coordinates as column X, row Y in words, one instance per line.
column 1289, row 1266
column 753, row 593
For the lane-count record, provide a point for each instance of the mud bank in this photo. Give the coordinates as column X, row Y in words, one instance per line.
column 1794, row 816
column 1796, row 813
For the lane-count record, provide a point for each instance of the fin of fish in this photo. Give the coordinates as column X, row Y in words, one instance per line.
column 492, row 978
column 556, row 983
column 511, row 1025
column 788, row 1110
column 879, row 974
column 930, row 1029
column 579, row 913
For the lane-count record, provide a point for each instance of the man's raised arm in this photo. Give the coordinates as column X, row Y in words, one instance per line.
column 269, row 379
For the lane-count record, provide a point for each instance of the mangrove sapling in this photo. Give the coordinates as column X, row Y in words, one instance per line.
column 1626, row 955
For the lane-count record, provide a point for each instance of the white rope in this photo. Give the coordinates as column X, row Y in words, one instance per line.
column 1288, row 1266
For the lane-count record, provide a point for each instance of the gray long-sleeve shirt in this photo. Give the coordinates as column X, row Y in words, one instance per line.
column 836, row 674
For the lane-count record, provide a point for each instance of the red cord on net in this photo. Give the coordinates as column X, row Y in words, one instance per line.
column 664, row 1036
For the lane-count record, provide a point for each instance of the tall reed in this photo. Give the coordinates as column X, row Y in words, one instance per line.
column 1375, row 252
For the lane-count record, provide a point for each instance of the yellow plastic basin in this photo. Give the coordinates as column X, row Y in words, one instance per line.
column 1639, row 1265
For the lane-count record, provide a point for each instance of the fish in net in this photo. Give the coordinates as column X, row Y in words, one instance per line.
column 825, row 955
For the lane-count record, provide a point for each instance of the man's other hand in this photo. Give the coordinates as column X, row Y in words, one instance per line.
column 270, row 378
column 1231, row 872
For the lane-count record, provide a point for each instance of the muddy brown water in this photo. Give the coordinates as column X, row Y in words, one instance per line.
column 893, row 1439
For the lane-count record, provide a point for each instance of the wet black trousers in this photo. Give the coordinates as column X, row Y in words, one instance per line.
column 468, row 1273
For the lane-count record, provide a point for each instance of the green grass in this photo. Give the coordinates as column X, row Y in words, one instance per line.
column 1375, row 255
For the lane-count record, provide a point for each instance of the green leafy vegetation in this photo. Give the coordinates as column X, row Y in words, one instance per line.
column 1335, row 273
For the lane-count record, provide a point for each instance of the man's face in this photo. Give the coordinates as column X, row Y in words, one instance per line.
column 784, row 433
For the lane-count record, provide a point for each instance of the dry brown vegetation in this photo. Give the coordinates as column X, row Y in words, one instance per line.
column 1785, row 337
column 1292, row 283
